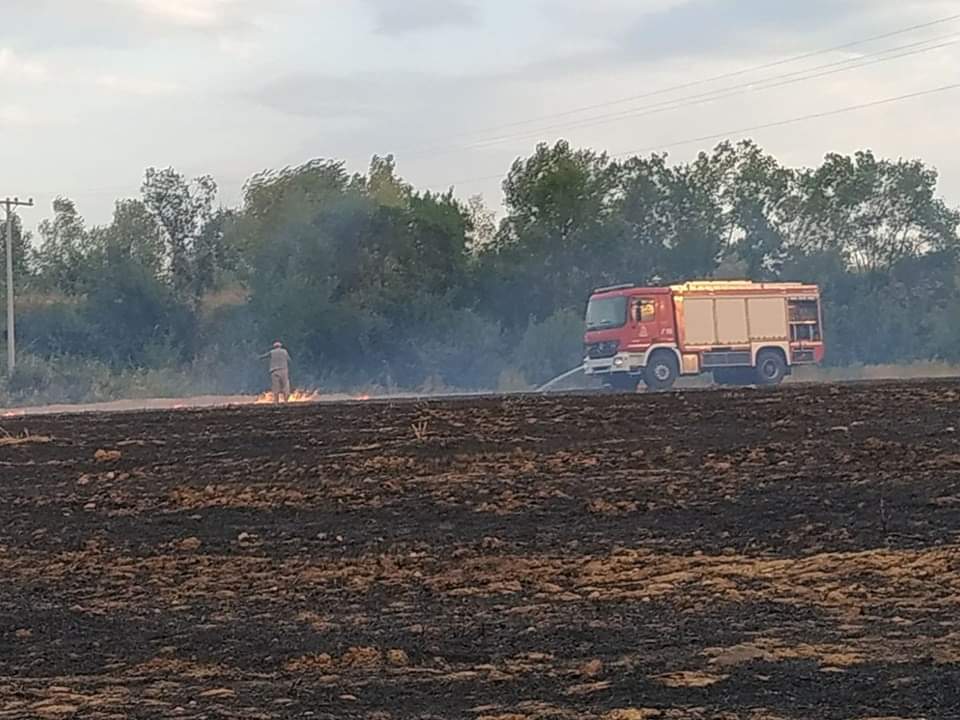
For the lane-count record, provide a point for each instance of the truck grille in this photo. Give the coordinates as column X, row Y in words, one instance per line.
column 600, row 350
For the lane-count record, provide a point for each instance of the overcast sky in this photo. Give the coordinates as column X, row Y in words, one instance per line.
column 94, row 91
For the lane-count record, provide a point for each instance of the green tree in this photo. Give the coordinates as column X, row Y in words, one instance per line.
column 64, row 249
column 368, row 278
column 875, row 212
column 696, row 233
column 23, row 255
column 483, row 225
column 556, row 239
column 184, row 211
column 345, row 264
column 130, row 310
column 280, row 205
column 762, row 198
column 133, row 238
column 383, row 185
column 672, row 219
column 645, row 211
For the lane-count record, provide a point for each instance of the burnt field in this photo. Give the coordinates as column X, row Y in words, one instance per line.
column 743, row 554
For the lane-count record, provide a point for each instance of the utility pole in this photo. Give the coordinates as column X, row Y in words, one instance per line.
column 11, row 332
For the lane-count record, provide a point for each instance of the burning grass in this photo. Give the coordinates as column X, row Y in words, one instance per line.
column 297, row 396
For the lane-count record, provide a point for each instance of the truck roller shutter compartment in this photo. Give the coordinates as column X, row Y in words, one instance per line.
column 699, row 328
column 732, row 321
column 768, row 319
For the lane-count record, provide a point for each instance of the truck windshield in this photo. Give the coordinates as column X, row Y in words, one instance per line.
column 608, row 312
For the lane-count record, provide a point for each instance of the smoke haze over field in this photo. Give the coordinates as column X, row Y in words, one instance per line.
column 96, row 91
column 913, row 371
column 165, row 259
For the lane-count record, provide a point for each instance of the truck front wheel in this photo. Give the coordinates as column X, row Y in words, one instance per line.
column 771, row 367
column 661, row 372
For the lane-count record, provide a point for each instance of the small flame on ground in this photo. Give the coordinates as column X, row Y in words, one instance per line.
column 297, row 396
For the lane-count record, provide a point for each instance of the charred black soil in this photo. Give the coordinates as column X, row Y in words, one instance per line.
column 746, row 554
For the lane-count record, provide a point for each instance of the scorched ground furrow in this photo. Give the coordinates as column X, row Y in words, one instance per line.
column 781, row 554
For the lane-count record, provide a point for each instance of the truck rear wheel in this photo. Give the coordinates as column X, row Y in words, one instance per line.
column 771, row 367
column 661, row 372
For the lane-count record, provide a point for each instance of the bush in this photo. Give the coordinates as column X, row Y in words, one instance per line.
column 66, row 379
column 463, row 351
column 55, row 329
column 38, row 380
column 550, row 348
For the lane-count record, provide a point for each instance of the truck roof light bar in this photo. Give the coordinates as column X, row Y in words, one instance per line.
column 611, row 288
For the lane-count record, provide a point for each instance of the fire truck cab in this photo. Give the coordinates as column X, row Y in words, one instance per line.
column 740, row 332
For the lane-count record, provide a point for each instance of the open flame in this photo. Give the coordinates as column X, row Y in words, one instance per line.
column 297, row 396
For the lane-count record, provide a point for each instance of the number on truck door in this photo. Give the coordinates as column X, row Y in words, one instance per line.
column 644, row 310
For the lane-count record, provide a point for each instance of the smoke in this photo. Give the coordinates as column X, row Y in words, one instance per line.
column 186, row 403
column 908, row 371
column 568, row 382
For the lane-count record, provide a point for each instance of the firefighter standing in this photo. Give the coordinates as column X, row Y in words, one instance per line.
column 279, row 372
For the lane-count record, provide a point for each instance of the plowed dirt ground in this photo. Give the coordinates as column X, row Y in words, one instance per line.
column 745, row 554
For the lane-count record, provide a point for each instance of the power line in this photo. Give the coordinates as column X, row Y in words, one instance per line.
column 768, row 83
column 794, row 120
column 758, row 86
column 714, row 78
column 740, row 131
column 684, row 102
column 754, row 128
column 668, row 104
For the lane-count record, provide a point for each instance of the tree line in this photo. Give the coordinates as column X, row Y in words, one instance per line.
column 369, row 280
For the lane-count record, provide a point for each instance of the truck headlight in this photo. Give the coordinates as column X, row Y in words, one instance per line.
column 618, row 362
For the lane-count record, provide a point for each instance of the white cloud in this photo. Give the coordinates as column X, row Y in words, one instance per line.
column 136, row 86
column 190, row 13
column 394, row 16
column 16, row 116
column 292, row 79
column 238, row 47
column 12, row 65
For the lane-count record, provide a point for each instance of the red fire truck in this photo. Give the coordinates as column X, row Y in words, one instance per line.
column 741, row 332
